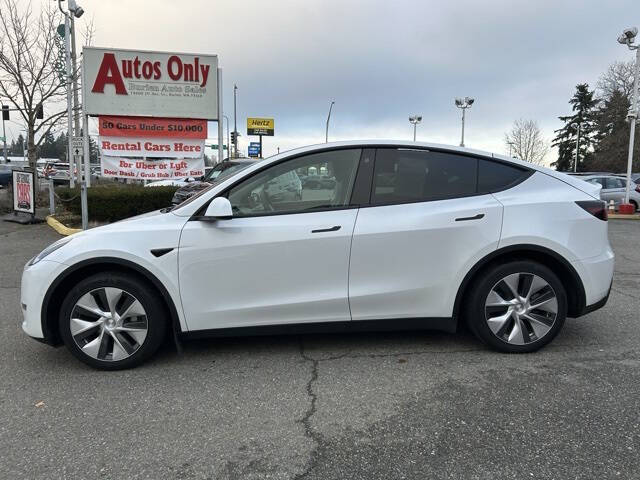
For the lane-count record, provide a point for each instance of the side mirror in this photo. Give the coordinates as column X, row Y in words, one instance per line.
column 219, row 208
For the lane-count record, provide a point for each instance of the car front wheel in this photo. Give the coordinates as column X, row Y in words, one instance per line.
column 112, row 321
column 517, row 307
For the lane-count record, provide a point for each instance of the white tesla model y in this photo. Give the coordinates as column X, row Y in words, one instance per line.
column 388, row 235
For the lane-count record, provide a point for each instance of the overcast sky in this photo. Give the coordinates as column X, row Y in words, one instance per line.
column 383, row 60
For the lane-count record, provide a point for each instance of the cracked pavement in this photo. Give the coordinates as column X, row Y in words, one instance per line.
column 411, row 405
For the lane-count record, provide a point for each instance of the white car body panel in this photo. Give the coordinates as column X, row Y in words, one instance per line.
column 406, row 257
column 397, row 261
column 266, row 270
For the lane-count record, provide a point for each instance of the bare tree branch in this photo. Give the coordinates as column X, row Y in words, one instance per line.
column 525, row 140
column 28, row 74
column 619, row 76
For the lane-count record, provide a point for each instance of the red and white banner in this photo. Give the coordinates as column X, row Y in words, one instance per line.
column 160, row 169
column 151, row 147
column 111, row 126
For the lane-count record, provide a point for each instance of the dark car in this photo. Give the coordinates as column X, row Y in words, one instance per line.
column 219, row 172
column 5, row 175
column 318, row 182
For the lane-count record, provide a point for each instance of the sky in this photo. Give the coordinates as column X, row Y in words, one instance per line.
column 381, row 61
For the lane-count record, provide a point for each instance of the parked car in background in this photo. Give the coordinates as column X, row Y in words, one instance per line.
column 614, row 188
column 449, row 236
column 57, row 171
column 5, row 175
column 635, row 177
column 222, row 170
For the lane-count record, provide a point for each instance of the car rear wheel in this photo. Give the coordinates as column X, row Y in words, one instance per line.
column 517, row 307
column 112, row 321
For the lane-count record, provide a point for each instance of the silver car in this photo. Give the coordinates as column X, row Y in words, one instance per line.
column 613, row 188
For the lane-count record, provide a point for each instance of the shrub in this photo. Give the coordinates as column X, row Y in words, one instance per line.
column 109, row 203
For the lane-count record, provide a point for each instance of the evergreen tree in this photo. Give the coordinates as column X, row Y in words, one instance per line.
column 612, row 136
column 583, row 104
column 47, row 147
column 17, row 148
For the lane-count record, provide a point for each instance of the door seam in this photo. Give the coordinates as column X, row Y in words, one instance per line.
column 349, row 269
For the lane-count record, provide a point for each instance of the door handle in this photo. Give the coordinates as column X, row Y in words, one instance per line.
column 335, row 228
column 476, row 217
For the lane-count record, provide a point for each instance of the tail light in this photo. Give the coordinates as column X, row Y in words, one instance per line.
column 596, row 208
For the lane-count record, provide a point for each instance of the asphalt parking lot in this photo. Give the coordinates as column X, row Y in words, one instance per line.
column 416, row 405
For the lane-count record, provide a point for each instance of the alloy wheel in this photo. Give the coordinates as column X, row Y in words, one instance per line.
column 108, row 324
column 521, row 308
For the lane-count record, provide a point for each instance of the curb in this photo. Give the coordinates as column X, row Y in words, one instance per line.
column 60, row 228
column 619, row 216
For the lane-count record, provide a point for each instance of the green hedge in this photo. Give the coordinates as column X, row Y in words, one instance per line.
column 109, row 203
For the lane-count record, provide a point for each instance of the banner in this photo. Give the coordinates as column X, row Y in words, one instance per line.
column 151, row 84
column 110, row 126
column 160, row 169
column 23, row 191
column 151, row 147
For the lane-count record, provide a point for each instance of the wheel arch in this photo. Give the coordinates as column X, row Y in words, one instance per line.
column 576, row 297
column 56, row 292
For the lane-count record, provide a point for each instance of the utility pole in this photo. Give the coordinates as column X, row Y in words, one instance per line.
column 575, row 162
column 326, row 134
column 69, row 81
column 76, row 103
column 463, row 104
column 627, row 38
column 235, row 122
column 4, row 135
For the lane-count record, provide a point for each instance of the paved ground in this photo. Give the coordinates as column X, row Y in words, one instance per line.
column 389, row 406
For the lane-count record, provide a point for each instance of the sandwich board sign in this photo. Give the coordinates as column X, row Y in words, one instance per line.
column 24, row 191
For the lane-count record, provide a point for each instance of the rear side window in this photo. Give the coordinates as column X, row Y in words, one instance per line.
column 611, row 182
column 496, row 176
column 412, row 176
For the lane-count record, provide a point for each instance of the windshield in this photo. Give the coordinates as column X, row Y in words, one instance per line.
column 220, row 175
column 225, row 168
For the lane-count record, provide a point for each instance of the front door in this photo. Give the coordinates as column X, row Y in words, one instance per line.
column 283, row 257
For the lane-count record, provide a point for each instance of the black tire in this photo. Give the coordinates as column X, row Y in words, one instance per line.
column 635, row 205
column 156, row 321
column 479, row 290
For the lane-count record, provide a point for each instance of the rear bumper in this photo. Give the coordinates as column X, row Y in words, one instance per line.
column 596, row 274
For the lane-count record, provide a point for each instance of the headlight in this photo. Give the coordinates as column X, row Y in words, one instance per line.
column 49, row 250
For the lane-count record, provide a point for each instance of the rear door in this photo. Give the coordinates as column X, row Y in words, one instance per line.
column 431, row 218
column 615, row 189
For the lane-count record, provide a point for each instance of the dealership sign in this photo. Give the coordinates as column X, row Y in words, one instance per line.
column 112, row 126
column 23, row 192
column 159, row 169
column 151, row 147
column 153, row 84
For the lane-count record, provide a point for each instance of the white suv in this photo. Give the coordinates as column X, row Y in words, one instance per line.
column 409, row 235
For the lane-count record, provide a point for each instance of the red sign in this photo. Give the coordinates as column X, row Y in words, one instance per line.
column 111, row 126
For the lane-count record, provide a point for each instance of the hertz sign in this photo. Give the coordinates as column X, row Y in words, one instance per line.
column 260, row 126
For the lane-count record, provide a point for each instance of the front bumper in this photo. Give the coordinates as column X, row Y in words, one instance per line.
column 36, row 280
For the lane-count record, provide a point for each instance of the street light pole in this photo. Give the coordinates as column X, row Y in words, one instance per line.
column 463, row 103
column 4, row 137
column 235, row 123
column 415, row 120
column 67, row 54
column 575, row 162
column 326, row 133
column 627, row 38
column 228, row 138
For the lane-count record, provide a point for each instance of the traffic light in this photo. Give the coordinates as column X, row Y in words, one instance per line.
column 39, row 112
column 5, row 112
column 233, row 137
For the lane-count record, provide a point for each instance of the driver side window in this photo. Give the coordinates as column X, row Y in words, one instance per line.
column 316, row 181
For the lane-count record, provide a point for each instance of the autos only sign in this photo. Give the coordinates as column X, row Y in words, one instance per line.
column 153, row 84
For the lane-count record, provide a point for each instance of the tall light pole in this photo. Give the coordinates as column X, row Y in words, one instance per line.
column 627, row 38
column 228, row 140
column 511, row 144
column 415, row 120
column 76, row 11
column 4, row 134
column 575, row 161
column 69, row 82
column 235, row 122
column 326, row 133
column 464, row 103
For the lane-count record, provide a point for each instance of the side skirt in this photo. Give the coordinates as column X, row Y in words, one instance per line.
column 446, row 324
